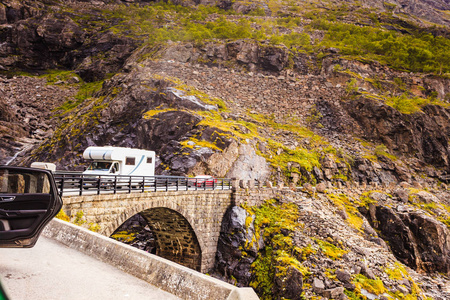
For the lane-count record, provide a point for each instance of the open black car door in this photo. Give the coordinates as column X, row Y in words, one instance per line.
column 28, row 201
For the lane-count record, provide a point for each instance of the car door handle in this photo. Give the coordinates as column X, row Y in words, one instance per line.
column 16, row 213
column 7, row 198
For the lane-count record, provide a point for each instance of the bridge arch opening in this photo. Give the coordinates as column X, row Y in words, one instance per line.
column 164, row 232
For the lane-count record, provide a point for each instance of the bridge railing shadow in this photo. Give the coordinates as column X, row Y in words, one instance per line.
column 77, row 183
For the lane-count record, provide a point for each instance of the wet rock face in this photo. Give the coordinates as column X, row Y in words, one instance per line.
column 13, row 11
column 397, row 234
column 419, row 133
column 36, row 38
column 170, row 126
column 229, row 260
column 88, row 61
column 40, row 42
column 122, row 123
column 417, row 240
column 152, row 114
column 242, row 52
column 433, row 239
column 290, row 285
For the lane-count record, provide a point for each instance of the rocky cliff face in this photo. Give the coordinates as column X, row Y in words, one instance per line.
column 419, row 138
column 26, row 113
column 164, row 119
column 423, row 134
column 324, row 124
column 40, row 35
column 416, row 239
column 325, row 256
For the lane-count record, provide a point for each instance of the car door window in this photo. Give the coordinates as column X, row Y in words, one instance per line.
column 115, row 168
column 28, row 201
column 24, row 183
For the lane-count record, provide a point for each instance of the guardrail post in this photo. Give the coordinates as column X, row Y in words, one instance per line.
column 62, row 187
column 143, row 183
column 81, row 185
column 251, row 184
column 129, row 186
column 99, row 182
column 234, row 183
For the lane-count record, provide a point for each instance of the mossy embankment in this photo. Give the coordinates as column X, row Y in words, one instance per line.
column 294, row 249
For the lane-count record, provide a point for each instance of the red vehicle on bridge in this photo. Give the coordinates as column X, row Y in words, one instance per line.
column 202, row 181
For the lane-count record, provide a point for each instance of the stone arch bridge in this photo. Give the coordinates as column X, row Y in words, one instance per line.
column 186, row 224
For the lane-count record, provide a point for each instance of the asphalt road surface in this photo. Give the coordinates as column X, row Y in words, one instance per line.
column 52, row 271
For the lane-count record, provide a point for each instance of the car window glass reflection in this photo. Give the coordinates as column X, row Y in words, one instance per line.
column 19, row 182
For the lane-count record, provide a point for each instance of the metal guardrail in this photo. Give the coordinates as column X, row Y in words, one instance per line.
column 76, row 183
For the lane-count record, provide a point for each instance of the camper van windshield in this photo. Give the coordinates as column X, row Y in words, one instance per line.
column 100, row 165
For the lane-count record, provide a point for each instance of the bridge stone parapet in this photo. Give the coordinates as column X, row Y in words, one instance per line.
column 173, row 278
column 256, row 196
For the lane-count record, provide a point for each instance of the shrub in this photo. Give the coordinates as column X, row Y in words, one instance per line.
column 374, row 286
column 94, row 227
column 405, row 104
column 330, row 250
column 416, row 52
column 271, row 219
column 79, row 220
column 63, row 216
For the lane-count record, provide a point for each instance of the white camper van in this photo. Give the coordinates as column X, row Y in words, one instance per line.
column 119, row 161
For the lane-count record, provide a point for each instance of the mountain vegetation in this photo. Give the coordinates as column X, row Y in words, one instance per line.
column 342, row 105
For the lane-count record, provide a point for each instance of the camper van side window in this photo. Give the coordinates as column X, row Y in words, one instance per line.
column 149, row 160
column 130, row 161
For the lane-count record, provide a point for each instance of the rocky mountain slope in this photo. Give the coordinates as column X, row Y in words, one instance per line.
column 318, row 243
column 340, row 101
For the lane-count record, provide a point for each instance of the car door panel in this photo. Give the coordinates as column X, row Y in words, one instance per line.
column 28, row 201
column 24, row 212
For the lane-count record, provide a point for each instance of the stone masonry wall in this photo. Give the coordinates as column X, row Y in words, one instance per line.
column 255, row 196
column 203, row 210
column 174, row 236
